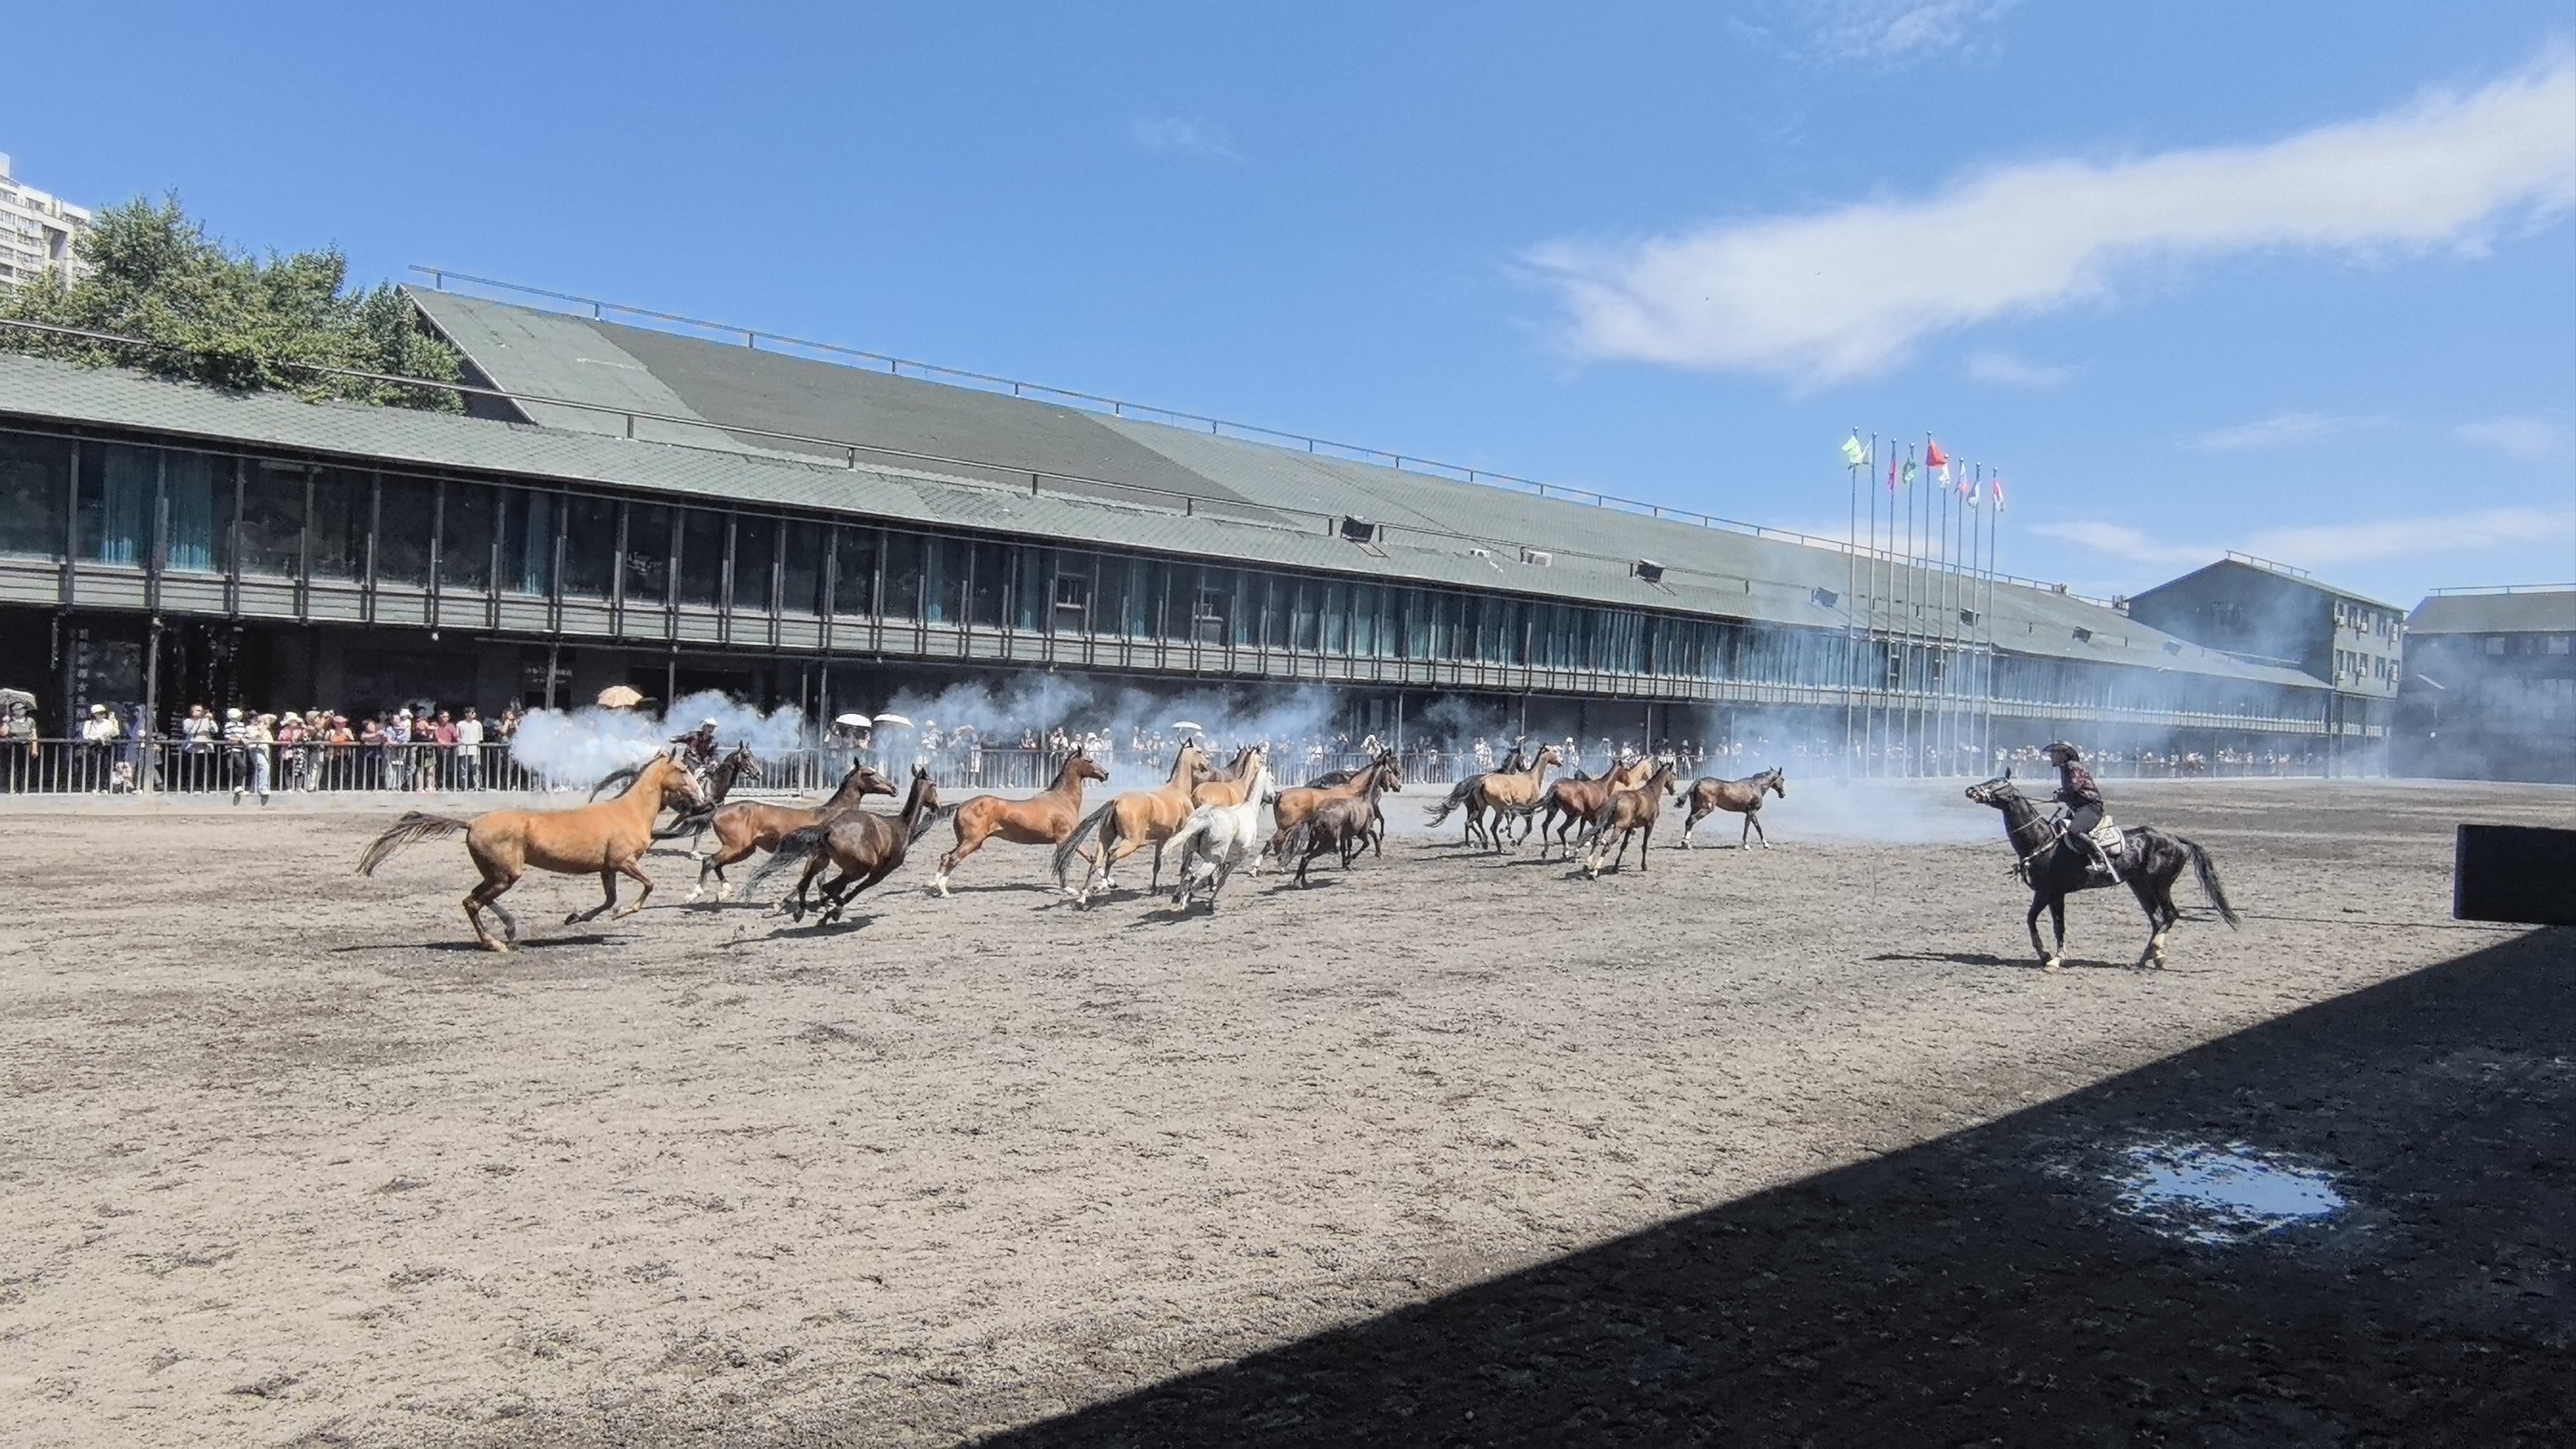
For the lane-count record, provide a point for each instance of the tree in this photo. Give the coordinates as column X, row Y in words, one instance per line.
column 232, row 321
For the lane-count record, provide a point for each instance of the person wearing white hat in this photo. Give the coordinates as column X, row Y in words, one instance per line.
column 700, row 744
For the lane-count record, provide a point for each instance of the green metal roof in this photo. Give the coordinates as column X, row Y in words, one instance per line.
column 1247, row 503
column 2520, row 611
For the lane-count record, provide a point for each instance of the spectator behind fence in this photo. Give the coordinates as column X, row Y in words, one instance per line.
column 469, row 751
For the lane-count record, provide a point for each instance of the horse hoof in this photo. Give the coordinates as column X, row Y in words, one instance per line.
column 2051, row 964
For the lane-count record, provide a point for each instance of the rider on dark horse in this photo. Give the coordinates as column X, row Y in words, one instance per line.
column 2082, row 798
column 700, row 745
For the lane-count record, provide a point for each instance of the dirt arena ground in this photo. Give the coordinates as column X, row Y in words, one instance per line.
column 1792, row 1146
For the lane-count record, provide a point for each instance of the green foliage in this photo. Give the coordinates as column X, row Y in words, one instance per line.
column 232, row 321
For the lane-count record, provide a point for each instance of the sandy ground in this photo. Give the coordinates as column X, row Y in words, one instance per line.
column 286, row 1163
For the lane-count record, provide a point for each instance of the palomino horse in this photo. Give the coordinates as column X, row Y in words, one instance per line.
column 1503, row 793
column 1230, row 785
column 1572, row 803
column 1129, row 823
column 606, row 839
column 1223, row 835
column 864, row 846
column 2150, row 861
column 1708, row 795
column 1043, row 819
column 1338, row 823
column 749, row 825
column 1629, row 812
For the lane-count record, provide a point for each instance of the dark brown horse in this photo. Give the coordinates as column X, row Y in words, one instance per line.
column 1289, row 807
column 1042, row 819
column 1708, row 795
column 1337, row 823
column 1571, row 803
column 864, row 846
column 749, row 825
column 2150, row 862
column 1629, row 812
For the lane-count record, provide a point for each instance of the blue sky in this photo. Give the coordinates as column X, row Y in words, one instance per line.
column 2292, row 278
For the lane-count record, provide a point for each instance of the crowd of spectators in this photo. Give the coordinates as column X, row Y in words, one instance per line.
column 258, row 753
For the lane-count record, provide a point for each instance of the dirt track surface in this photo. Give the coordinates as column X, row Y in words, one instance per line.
column 1755, row 1147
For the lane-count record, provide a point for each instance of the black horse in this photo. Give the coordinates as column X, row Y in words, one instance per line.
column 2150, row 862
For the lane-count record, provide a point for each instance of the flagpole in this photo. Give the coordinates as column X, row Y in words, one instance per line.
column 1851, row 600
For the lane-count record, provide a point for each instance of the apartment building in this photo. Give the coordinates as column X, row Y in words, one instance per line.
column 38, row 231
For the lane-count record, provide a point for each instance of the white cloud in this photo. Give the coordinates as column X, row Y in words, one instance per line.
column 1185, row 133
column 2281, row 430
column 1894, row 30
column 1840, row 294
column 2005, row 370
column 2322, row 545
column 2519, row 437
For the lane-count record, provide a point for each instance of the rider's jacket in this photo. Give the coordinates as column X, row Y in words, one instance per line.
column 2075, row 787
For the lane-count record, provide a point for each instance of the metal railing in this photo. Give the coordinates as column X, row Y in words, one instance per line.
column 2506, row 589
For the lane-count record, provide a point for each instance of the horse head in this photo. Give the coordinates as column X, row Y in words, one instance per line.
column 1083, row 767
column 1778, row 781
column 1390, row 774
column 678, row 788
column 872, row 783
column 1998, row 793
column 1550, row 755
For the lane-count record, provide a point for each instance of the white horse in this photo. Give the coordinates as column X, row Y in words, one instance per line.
column 1223, row 836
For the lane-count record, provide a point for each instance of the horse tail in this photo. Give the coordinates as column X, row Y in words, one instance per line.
column 932, row 820
column 1458, row 794
column 688, row 824
column 624, row 777
column 1186, row 839
column 2207, row 869
column 1295, row 840
column 792, row 848
column 413, row 826
column 1064, row 852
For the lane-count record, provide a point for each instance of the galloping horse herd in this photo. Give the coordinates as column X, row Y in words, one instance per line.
column 1205, row 820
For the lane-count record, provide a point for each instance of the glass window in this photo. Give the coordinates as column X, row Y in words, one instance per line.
column 903, row 570
column 1307, row 632
column 1337, row 618
column 528, row 541
column 590, row 545
column 755, row 553
column 344, row 507
column 35, row 479
column 1144, row 606
column 1213, row 599
column 1031, row 604
column 1072, row 595
column 992, row 577
column 854, row 572
column 1268, row 600
column 119, row 488
column 1417, row 622
column 1364, row 619
column 272, row 521
column 943, row 580
column 702, row 556
column 197, row 496
column 648, row 554
column 406, row 517
column 465, row 538
column 800, row 573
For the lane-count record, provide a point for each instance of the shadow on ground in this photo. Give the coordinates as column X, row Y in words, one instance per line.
column 1982, row 1288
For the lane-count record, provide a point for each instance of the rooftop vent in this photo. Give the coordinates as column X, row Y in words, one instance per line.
column 1537, row 557
column 1360, row 530
column 2083, row 636
column 1970, row 617
column 1826, row 598
column 1647, row 569
column 2173, row 647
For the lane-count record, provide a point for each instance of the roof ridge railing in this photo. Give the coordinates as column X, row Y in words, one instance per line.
column 1280, row 438
column 2275, row 565
column 2503, row 589
column 850, row 450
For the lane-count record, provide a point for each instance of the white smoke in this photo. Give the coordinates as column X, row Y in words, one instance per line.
column 582, row 747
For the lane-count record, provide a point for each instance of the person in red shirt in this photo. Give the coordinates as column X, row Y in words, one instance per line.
column 2082, row 796
column 443, row 734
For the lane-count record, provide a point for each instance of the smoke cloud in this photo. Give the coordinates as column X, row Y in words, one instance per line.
column 585, row 746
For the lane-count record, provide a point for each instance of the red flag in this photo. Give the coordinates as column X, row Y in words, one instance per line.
column 1891, row 468
column 1933, row 457
column 1998, row 486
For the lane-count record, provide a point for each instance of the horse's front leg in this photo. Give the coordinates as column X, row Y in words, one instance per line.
column 2038, row 903
column 1754, row 820
column 2057, row 927
column 608, row 886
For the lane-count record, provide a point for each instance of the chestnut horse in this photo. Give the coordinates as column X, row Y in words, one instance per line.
column 1509, row 792
column 1576, row 801
column 606, row 839
column 1129, row 823
column 1043, row 819
column 1629, row 812
column 864, row 846
column 749, row 825
column 1708, row 795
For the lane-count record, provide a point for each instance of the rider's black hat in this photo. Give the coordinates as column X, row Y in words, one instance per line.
column 2056, row 746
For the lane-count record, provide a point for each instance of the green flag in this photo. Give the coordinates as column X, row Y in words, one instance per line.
column 1909, row 472
column 1854, row 453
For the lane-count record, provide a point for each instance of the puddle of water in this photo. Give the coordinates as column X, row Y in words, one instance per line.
column 2203, row 1193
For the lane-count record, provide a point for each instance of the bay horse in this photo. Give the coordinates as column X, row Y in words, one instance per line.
column 1337, row 823
column 1042, row 819
column 1290, row 807
column 1708, row 795
column 1509, row 792
column 864, row 846
column 2055, row 867
column 1223, row 835
column 1129, row 823
column 1629, row 812
column 606, row 839
column 749, row 825
column 1571, row 803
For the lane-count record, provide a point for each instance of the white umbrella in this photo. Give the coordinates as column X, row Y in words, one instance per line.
column 854, row 721
column 1188, row 724
column 893, row 719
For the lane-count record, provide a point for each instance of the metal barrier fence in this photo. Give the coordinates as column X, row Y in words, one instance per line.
column 53, row 767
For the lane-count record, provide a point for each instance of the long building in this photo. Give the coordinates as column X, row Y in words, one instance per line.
column 39, row 232
column 629, row 505
column 2490, row 688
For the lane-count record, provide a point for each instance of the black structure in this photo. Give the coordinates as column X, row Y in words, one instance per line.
column 2490, row 690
